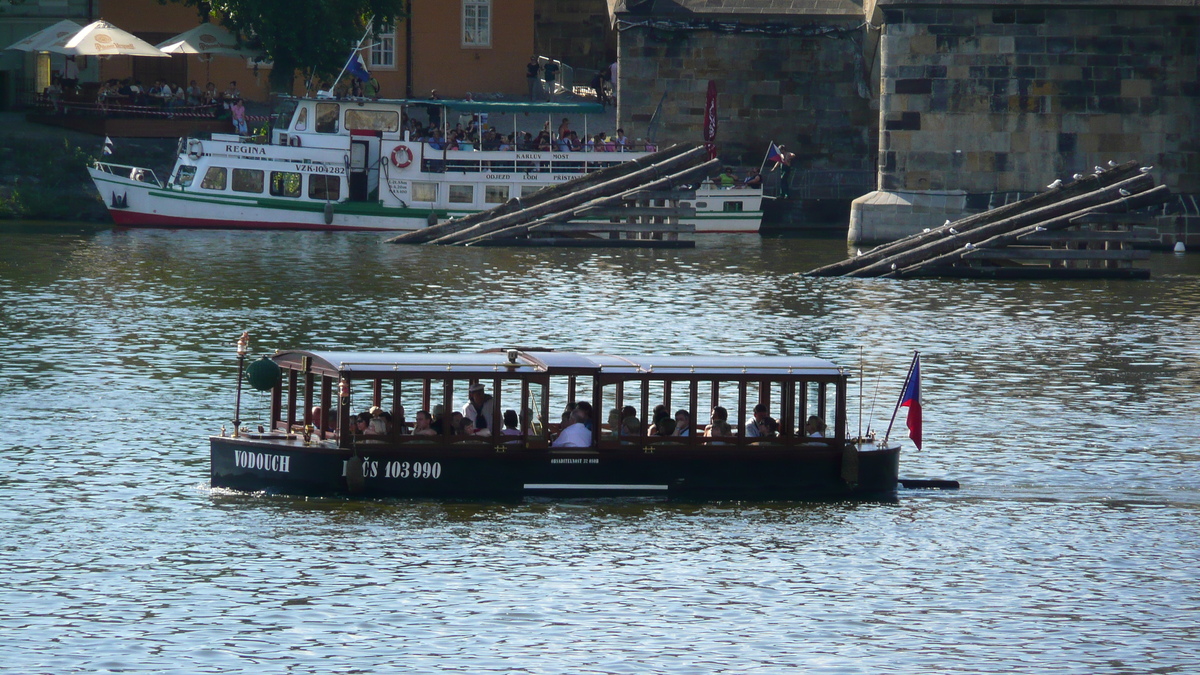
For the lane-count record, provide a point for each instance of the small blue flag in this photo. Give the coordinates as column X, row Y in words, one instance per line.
column 357, row 68
column 108, row 145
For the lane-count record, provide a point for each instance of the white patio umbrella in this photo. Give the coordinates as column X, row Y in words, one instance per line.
column 101, row 38
column 45, row 39
column 206, row 39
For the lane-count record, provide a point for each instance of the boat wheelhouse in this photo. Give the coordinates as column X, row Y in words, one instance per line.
column 311, row 442
column 331, row 164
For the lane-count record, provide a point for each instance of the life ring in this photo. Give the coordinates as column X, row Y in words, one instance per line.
column 401, row 156
column 195, row 149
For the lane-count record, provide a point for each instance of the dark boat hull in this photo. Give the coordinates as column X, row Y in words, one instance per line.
column 512, row 473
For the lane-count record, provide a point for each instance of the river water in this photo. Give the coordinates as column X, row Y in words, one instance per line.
column 1068, row 410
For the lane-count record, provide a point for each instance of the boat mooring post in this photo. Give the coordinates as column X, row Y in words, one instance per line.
column 243, row 345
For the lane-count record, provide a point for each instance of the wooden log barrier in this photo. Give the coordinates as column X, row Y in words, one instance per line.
column 1067, row 191
column 1002, row 237
column 947, row 241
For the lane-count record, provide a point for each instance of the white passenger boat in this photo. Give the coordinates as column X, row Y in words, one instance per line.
column 350, row 165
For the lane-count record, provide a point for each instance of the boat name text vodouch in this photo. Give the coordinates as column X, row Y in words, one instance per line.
column 246, row 150
column 320, row 168
column 371, row 469
column 244, row 459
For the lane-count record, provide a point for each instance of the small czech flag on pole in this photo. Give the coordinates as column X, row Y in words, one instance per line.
column 774, row 154
column 912, row 400
column 108, row 145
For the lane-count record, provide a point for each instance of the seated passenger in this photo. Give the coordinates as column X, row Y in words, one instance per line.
column 576, row 434
column 814, row 427
column 768, row 428
column 683, row 423
column 726, row 179
column 719, row 424
column 511, row 423
column 378, row 423
column 362, row 424
column 760, row 414
column 318, row 417
column 437, row 420
column 660, row 412
column 719, row 429
column 754, row 179
column 665, row 427
column 631, row 426
column 614, row 422
column 589, row 418
column 421, row 427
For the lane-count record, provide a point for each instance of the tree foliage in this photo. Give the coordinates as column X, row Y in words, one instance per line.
column 314, row 36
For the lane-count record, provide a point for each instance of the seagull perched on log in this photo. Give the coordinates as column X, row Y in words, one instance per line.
column 925, row 230
column 1098, row 169
column 945, row 223
column 1039, row 228
column 1112, row 163
column 1078, row 176
column 1146, row 169
column 970, row 246
column 953, row 231
column 1056, row 183
column 1124, row 192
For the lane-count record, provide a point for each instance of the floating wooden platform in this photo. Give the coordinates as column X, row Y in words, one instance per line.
column 1083, row 229
column 633, row 204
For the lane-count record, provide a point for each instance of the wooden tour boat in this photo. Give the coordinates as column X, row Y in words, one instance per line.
column 302, row 450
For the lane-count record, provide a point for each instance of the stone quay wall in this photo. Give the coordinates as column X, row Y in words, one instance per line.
column 1007, row 98
column 803, row 84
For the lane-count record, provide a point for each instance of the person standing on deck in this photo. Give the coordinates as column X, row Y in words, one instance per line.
column 551, row 71
column 785, row 176
column 531, row 78
column 481, row 409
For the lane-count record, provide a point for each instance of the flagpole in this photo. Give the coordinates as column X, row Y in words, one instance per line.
column 357, row 47
column 901, row 399
column 766, row 154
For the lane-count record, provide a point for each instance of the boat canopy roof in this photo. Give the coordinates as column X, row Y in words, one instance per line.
column 530, row 361
column 461, row 105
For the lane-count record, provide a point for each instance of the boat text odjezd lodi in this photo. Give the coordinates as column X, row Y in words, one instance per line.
column 349, row 165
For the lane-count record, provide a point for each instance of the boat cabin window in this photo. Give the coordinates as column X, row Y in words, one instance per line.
column 327, row 118
column 424, row 192
column 283, row 115
column 214, row 178
column 248, row 180
column 285, row 184
column 495, row 194
column 185, row 176
column 462, row 194
column 324, row 186
column 373, row 120
column 302, row 120
column 732, row 207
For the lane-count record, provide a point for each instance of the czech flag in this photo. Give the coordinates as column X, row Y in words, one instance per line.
column 912, row 399
column 774, row 154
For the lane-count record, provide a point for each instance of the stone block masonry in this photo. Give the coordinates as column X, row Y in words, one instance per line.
column 1009, row 97
column 802, row 83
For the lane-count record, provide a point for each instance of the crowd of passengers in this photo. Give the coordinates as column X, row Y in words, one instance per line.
column 472, row 132
column 477, row 418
